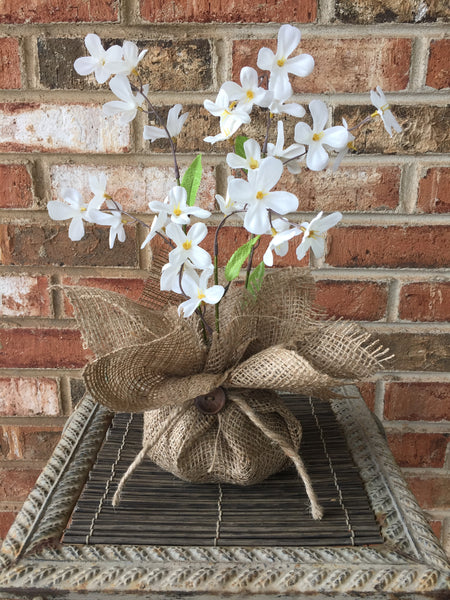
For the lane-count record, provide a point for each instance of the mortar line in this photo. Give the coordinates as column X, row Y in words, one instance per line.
column 65, row 395
column 147, row 29
column 29, row 62
column 419, row 64
column 196, row 97
column 326, row 11
column 393, row 301
column 409, row 188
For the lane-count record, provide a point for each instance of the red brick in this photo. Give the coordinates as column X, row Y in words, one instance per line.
column 42, row 349
column 9, row 63
column 427, row 246
column 418, row 449
column 431, row 491
column 363, row 301
column 348, row 189
column 16, row 189
column 28, row 245
column 425, row 302
column 42, row 11
column 438, row 75
column 35, row 127
column 28, row 396
column 230, row 238
column 367, row 391
column 417, row 401
column 436, row 526
column 233, row 11
column 132, row 288
column 434, row 191
column 16, row 484
column 28, row 443
column 358, row 65
column 24, row 295
column 6, row 520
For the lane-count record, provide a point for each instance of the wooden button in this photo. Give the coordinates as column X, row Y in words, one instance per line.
column 212, row 403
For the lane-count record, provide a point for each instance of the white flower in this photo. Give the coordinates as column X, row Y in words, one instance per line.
column 248, row 93
column 174, row 125
column 114, row 219
column 256, row 194
column 128, row 104
column 280, row 65
column 97, row 185
column 131, row 57
column 101, row 60
column 231, row 118
column 252, row 158
column 314, row 234
column 158, row 225
column 278, row 106
column 176, row 207
column 288, row 156
column 315, row 138
column 281, row 233
column 197, row 291
column 73, row 208
column 228, row 204
column 187, row 245
column 348, row 146
column 378, row 99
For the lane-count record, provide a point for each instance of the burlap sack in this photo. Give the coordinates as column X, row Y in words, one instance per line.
column 227, row 447
column 153, row 360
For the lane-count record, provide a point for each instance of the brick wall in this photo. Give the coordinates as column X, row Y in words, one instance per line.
column 385, row 266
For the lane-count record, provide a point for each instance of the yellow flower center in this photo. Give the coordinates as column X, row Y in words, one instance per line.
column 254, row 164
column 83, row 209
column 200, row 295
column 124, row 221
column 317, row 136
column 250, row 95
column 260, row 195
column 351, row 145
column 281, row 61
column 187, row 244
column 176, row 211
column 273, row 231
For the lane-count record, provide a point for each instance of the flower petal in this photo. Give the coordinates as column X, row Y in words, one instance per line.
column 94, row 45
column 85, row 65
column 303, row 133
column 76, row 229
column 288, row 40
column 317, row 157
column 265, row 59
column 301, row 65
column 319, row 113
column 153, row 133
column 59, row 211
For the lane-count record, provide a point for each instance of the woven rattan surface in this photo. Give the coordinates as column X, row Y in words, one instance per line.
column 159, row 509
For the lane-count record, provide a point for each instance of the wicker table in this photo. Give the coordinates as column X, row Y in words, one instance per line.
column 38, row 560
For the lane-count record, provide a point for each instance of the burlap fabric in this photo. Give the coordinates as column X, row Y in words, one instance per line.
column 154, row 360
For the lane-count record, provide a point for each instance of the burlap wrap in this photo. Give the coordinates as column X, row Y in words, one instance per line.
column 155, row 361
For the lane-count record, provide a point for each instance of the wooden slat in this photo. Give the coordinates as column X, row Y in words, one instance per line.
column 159, row 509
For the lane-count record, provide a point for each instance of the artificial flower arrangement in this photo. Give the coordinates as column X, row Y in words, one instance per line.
column 203, row 361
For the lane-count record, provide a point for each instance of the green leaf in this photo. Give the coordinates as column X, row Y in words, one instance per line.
column 239, row 145
column 191, row 179
column 256, row 278
column 235, row 263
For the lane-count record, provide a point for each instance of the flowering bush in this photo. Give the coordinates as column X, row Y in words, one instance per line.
column 251, row 192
